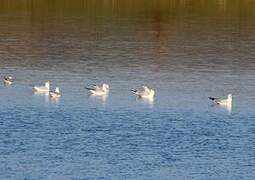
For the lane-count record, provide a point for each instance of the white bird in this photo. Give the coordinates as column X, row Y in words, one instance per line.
column 99, row 90
column 144, row 92
column 55, row 94
column 8, row 80
column 45, row 88
column 225, row 102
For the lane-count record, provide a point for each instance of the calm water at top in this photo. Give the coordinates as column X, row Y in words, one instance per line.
column 186, row 50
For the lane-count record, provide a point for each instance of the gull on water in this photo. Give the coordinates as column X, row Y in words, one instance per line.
column 99, row 90
column 56, row 93
column 224, row 102
column 45, row 88
column 8, row 80
column 144, row 92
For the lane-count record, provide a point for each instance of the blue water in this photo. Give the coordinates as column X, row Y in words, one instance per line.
column 180, row 135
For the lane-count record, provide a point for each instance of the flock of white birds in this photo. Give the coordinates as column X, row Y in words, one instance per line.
column 101, row 90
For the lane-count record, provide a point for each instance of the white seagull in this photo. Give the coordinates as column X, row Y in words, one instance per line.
column 45, row 88
column 225, row 102
column 144, row 92
column 56, row 93
column 8, row 80
column 99, row 90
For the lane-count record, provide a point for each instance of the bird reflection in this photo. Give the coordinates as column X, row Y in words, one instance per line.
column 147, row 101
column 228, row 107
column 45, row 94
column 54, row 100
column 101, row 99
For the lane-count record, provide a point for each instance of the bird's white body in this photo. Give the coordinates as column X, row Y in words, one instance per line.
column 224, row 102
column 99, row 90
column 145, row 92
column 8, row 80
column 45, row 88
column 56, row 93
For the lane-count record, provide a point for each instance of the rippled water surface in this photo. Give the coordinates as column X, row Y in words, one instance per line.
column 186, row 50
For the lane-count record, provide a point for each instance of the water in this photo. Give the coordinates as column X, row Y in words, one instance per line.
column 186, row 50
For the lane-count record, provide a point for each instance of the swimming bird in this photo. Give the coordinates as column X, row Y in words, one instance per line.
column 144, row 92
column 8, row 80
column 226, row 102
column 45, row 88
column 56, row 93
column 99, row 90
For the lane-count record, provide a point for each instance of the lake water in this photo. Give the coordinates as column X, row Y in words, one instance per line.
column 186, row 50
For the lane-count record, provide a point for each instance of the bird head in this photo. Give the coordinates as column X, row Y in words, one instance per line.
column 57, row 90
column 47, row 84
column 106, row 87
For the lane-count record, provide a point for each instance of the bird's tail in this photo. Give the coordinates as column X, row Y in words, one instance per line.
column 88, row 88
column 212, row 98
column 134, row 91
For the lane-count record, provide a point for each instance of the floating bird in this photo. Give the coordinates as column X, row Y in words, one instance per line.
column 45, row 88
column 144, row 92
column 99, row 90
column 55, row 94
column 225, row 102
column 8, row 80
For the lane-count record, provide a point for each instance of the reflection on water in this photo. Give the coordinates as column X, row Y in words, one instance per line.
column 42, row 94
column 228, row 107
column 102, row 99
column 149, row 101
column 186, row 50
column 55, row 100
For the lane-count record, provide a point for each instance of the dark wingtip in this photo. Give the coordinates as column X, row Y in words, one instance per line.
column 89, row 88
column 212, row 98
